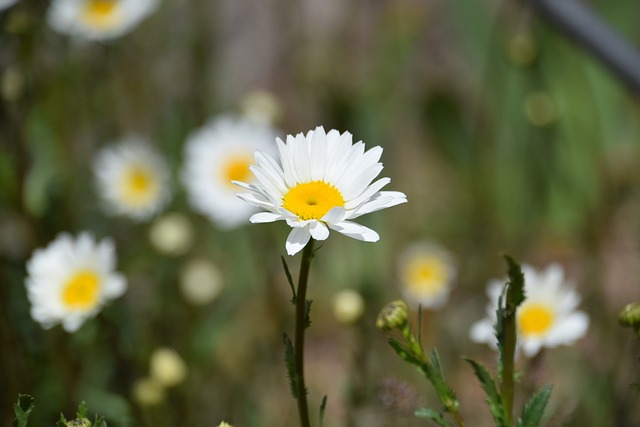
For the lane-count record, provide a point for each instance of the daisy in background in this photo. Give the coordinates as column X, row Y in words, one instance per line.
column 132, row 179
column 71, row 279
column 217, row 154
column 5, row 4
column 546, row 318
column 98, row 19
column 426, row 272
column 322, row 182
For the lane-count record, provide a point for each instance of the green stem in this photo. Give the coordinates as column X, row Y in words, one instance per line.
column 508, row 361
column 301, row 325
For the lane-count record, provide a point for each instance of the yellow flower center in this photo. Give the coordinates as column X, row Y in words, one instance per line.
column 100, row 13
column 425, row 275
column 139, row 186
column 237, row 169
column 535, row 319
column 312, row 200
column 82, row 290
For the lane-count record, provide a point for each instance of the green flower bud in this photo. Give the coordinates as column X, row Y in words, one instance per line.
column 393, row 315
column 79, row 422
column 630, row 315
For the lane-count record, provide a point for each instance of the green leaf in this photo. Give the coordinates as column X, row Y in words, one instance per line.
column 82, row 410
column 290, row 363
column 405, row 354
column 446, row 393
column 435, row 416
column 307, row 313
column 323, row 406
column 516, row 294
column 99, row 422
column 289, row 279
column 22, row 409
column 534, row 409
column 493, row 395
column 62, row 422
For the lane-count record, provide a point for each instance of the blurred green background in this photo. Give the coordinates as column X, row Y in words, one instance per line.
column 505, row 137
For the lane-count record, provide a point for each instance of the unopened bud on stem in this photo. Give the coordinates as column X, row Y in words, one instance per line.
column 393, row 315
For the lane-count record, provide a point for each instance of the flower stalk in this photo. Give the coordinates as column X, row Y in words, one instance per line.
column 301, row 324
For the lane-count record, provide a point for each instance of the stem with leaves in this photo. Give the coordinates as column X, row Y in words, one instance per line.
column 302, row 322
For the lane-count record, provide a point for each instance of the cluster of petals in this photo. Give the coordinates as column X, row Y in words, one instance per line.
column 325, row 157
column 98, row 19
column 52, row 269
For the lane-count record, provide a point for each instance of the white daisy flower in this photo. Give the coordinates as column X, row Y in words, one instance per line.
column 546, row 318
column 426, row 273
column 98, row 19
column 322, row 183
column 71, row 279
column 217, row 154
column 132, row 179
column 5, row 4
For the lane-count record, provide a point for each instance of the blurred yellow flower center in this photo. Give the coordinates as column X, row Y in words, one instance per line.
column 100, row 13
column 535, row 319
column 237, row 169
column 312, row 200
column 425, row 275
column 81, row 291
column 138, row 186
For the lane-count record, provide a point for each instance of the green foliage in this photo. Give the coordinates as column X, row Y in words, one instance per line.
column 307, row 313
column 22, row 410
column 515, row 294
column 323, row 407
column 290, row 363
column 534, row 409
column 287, row 272
column 435, row 416
column 494, row 399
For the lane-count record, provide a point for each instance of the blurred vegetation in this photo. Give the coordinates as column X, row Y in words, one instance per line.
column 505, row 137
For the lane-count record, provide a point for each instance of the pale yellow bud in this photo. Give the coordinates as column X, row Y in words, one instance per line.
column 348, row 306
column 261, row 107
column 171, row 234
column 224, row 424
column 393, row 315
column 148, row 392
column 200, row 281
column 167, row 367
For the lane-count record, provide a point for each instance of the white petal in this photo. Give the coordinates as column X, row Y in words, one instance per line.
column 367, row 193
column 318, row 155
column 297, row 240
column 382, row 200
column 318, row 230
column 262, row 217
column 334, row 215
column 356, row 231
column 482, row 332
column 570, row 329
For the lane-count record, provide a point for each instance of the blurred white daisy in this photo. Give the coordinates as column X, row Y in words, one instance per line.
column 98, row 19
column 322, row 182
column 71, row 279
column 547, row 317
column 5, row 4
column 216, row 155
column 132, row 179
column 426, row 273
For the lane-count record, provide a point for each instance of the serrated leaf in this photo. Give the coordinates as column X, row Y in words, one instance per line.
column 491, row 389
column 445, row 392
column 290, row 363
column 289, row 280
column 82, row 410
column 99, row 422
column 307, row 313
column 22, row 409
column 405, row 354
column 323, row 406
column 516, row 294
column 435, row 416
column 62, row 422
column 534, row 409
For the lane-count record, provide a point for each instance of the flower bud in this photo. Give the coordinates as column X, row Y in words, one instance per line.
column 393, row 315
column 630, row 315
column 348, row 306
column 167, row 367
column 79, row 422
column 224, row 424
column 148, row 392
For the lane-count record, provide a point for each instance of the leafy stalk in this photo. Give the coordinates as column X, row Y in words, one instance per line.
column 301, row 323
